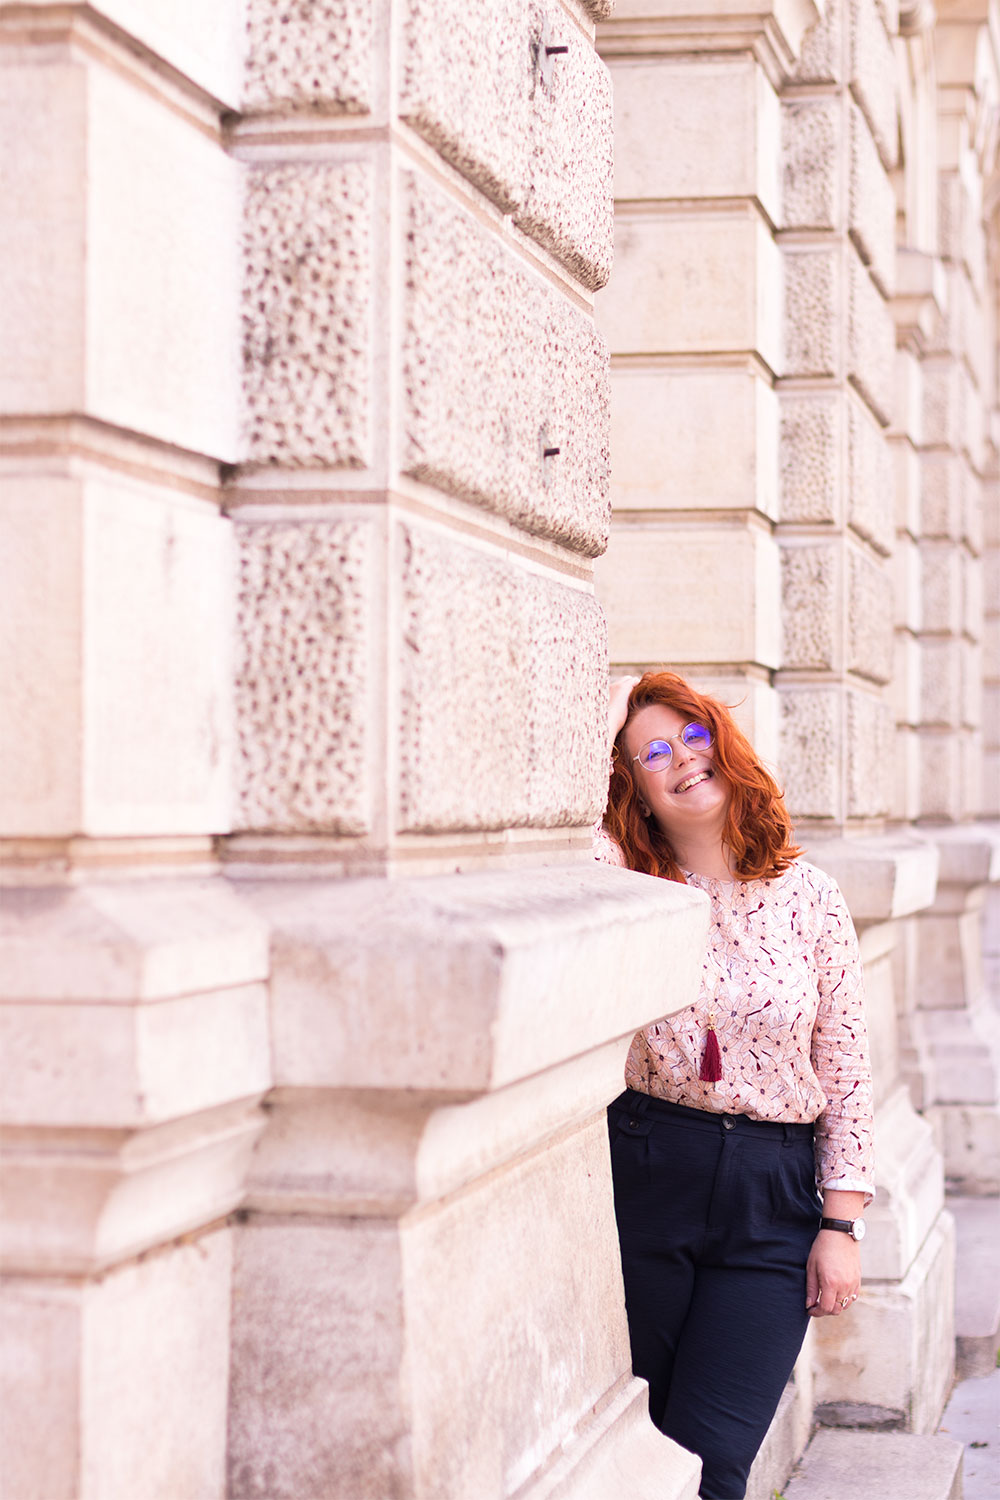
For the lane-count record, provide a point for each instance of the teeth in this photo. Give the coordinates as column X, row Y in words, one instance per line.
column 692, row 781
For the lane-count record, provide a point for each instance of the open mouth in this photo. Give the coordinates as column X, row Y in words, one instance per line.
column 690, row 781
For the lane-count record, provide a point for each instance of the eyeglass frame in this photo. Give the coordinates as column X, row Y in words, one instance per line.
column 666, row 739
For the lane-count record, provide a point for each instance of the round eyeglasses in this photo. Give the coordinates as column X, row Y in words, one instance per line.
column 657, row 754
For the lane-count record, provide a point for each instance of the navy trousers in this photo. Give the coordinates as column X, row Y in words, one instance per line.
column 716, row 1218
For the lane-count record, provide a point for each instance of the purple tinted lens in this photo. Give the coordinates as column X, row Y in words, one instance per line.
column 655, row 755
column 696, row 737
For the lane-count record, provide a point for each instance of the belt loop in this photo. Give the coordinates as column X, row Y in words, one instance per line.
column 786, row 1132
column 640, row 1106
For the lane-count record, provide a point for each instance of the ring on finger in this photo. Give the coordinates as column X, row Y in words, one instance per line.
column 845, row 1301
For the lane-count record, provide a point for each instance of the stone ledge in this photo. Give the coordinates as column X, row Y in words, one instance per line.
column 910, row 1182
column 461, row 984
column 977, row 1295
column 620, row 1453
column 773, row 31
column 125, row 942
column 892, row 1466
column 892, row 875
column 969, row 852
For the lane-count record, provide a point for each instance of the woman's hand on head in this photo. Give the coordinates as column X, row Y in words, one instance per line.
column 833, row 1274
column 618, row 706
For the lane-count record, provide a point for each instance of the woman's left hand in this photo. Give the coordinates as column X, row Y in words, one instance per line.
column 833, row 1274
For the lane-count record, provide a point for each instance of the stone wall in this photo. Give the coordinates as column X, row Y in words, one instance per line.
column 311, row 994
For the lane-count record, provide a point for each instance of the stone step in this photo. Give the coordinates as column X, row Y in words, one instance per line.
column 977, row 1285
column 892, row 1466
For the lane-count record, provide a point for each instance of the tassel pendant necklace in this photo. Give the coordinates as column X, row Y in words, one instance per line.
column 711, row 1057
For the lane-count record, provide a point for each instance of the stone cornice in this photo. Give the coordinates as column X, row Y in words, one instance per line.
column 772, row 32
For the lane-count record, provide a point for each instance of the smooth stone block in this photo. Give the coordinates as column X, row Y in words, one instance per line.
column 663, row 422
column 893, row 1466
column 693, row 281
column 481, row 979
column 896, row 1349
column 649, row 567
column 116, row 1388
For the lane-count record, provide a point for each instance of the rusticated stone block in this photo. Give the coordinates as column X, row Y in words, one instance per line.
column 868, row 755
column 810, row 140
column 871, row 341
column 810, row 616
column 481, row 126
column 821, row 56
column 537, row 138
column 941, row 590
column 872, row 204
column 942, row 419
column 940, row 495
column 872, row 70
column 313, row 54
column 812, row 299
column 869, row 618
column 567, row 203
column 809, row 760
column 870, row 478
column 300, row 676
column 506, row 385
column 460, row 768
column 810, row 458
column 306, row 311
column 940, row 683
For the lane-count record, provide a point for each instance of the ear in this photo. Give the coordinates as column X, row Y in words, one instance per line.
column 644, row 809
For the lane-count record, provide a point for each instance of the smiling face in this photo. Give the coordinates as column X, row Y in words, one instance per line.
column 689, row 798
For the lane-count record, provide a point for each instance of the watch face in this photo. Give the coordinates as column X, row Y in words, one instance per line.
column 858, row 1229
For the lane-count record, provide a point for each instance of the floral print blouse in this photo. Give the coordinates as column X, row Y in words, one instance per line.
column 782, row 979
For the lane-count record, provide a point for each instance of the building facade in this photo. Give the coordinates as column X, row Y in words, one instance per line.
column 338, row 465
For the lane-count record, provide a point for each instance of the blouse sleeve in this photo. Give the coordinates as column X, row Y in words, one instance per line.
column 606, row 849
column 844, row 1129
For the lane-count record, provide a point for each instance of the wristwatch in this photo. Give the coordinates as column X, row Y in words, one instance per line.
column 854, row 1227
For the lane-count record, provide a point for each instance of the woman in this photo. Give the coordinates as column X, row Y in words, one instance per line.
column 740, row 1106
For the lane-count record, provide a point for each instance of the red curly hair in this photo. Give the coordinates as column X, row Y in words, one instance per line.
column 757, row 830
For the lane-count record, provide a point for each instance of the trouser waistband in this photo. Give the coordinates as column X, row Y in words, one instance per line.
column 644, row 1106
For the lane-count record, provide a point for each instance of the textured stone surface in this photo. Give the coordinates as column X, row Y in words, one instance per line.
column 869, row 618
column 941, row 580
column 812, row 308
column 810, row 457
column 482, row 127
column 306, row 311
column 872, row 65
column 313, row 54
column 821, row 58
column 302, row 664
column 942, row 406
column 867, row 755
column 870, row 478
column 478, row 725
column 872, row 204
column 567, row 202
column 940, row 495
column 497, row 369
column 871, row 341
column 809, row 727
column 810, row 148
column 537, row 138
column 940, row 683
column 809, row 605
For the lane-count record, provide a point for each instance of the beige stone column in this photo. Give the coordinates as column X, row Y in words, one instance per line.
column 846, row 415
column 133, row 1023
column 427, row 1294
column 954, row 1026
column 694, row 319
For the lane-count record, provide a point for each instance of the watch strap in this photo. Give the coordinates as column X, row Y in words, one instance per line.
column 845, row 1225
